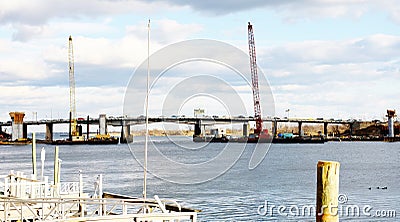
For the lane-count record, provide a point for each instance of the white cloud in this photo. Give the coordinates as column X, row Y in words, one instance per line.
column 33, row 99
column 349, row 78
column 51, row 30
column 314, row 9
column 295, row 10
column 30, row 69
column 37, row 12
column 54, row 101
column 225, row 7
column 393, row 8
column 363, row 50
column 47, row 56
column 165, row 30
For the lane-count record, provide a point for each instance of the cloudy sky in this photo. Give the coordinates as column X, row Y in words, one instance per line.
column 322, row 58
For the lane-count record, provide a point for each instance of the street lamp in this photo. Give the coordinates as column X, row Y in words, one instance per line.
column 34, row 116
column 288, row 110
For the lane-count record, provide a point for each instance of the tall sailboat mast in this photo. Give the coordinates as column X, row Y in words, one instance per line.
column 147, row 114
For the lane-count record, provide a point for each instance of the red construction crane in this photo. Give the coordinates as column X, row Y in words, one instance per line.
column 254, row 80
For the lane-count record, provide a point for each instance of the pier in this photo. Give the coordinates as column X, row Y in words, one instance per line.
column 25, row 198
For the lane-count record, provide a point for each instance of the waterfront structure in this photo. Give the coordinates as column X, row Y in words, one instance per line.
column 390, row 115
column 17, row 125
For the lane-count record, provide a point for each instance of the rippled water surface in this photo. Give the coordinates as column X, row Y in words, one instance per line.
column 286, row 177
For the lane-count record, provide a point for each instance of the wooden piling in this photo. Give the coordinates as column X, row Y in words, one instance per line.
column 327, row 191
column 56, row 166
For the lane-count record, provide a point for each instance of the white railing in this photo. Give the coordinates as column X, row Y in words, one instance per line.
column 65, row 209
column 29, row 199
column 69, row 188
column 19, row 187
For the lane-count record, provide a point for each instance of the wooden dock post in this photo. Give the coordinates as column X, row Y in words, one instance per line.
column 327, row 191
column 56, row 166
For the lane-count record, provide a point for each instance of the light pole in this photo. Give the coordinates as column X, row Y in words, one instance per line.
column 288, row 111
column 34, row 116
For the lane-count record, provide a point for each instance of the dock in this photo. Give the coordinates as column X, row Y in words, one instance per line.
column 25, row 199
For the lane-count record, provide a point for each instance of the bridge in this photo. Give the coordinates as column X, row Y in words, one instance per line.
column 20, row 127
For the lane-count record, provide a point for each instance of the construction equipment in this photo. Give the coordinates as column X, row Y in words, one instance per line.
column 74, row 133
column 254, row 80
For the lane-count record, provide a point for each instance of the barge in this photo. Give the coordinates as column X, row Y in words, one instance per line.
column 252, row 139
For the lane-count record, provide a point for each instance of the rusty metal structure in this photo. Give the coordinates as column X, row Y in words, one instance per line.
column 17, row 125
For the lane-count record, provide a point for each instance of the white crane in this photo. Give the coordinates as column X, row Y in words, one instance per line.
column 72, row 104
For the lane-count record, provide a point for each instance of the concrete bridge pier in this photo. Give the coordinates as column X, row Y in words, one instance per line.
column 301, row 133
column 274, row 128
column 24, row 130
column 197, row 128
column 390, row 115
column 87, row 128
column 351, row 129
column 246, row 129
column 126, row 133
column 17, row 125
column 326, row 129
column 102, row 124
column 49, row 132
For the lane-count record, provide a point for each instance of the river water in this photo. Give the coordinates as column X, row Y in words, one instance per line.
column 286, row 178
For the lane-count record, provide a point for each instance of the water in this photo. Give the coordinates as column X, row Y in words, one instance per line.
column 286, row 177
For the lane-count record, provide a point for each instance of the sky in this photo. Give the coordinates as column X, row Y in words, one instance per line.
column 322, row 58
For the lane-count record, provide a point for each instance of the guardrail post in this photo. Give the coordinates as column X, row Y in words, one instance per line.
column 327, row 191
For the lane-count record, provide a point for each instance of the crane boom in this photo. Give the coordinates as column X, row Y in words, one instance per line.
column 72, row 104
column 254, row 80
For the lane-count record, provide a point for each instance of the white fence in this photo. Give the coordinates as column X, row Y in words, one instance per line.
column 65, row 209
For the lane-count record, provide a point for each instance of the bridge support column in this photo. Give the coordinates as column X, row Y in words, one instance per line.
column 24, row 131
column 246, row 128
column 351, row 129
column 275, row 128
column 197, row 129
column 125, row 133
column 301, row 133
column 87, row 128
column 326, row 129
column 390, row 115
column 49, row 132
column 17, row 125
column 102, row 124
